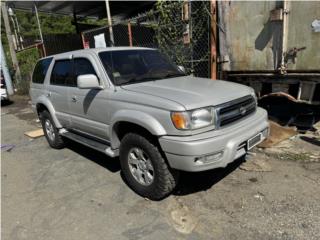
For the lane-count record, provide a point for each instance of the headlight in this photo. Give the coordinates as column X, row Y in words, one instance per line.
column 255, row 97
column 194, row 119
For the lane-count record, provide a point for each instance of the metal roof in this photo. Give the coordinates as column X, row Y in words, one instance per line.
column 95, row 9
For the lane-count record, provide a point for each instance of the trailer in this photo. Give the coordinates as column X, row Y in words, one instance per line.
column 272, row 46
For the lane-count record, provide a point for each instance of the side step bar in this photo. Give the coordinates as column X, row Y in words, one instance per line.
column 101, row 147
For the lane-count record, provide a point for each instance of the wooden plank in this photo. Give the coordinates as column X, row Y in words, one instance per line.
column 35, row 133
column 277, row 135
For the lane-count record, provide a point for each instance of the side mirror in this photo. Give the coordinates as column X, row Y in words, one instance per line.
column 87, row 81
column 182, row 69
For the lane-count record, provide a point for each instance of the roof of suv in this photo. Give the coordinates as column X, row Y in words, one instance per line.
column 97, row 50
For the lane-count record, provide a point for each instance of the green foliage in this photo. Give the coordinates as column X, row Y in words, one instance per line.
column 169, row 31
column 27, row 60
column 93, row 21
column 50, row 24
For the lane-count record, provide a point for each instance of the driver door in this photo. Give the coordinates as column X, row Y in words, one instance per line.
column 88, row 107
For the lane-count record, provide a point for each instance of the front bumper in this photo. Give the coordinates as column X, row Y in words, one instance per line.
column 217, row 147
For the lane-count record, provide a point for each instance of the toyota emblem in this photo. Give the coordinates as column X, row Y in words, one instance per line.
column 242, row 110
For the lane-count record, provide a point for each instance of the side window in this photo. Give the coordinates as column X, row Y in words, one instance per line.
column 81, row 66
column 61, row 73
column 40, row 70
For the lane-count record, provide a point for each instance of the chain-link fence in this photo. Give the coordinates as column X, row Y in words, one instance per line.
column 125, row 33
column 179, row 29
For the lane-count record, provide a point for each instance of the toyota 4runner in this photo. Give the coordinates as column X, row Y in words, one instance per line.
column 134, row 103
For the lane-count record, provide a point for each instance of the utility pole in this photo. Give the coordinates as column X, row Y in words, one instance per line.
column 109, row 23
column 16, row 37
column 10, row 41
column 5, row 71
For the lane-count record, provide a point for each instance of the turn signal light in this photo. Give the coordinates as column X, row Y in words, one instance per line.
column 179, row 120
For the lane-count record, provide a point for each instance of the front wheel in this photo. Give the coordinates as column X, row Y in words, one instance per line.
column 144, row 168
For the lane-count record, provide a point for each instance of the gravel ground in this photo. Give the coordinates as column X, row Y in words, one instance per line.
column 77, row 193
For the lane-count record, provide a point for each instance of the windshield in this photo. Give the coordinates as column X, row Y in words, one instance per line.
column 133, row 66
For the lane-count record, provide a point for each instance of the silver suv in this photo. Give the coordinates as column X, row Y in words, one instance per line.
column 134, row 103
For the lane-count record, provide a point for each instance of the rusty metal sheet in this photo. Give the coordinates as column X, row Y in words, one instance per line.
column 249, row 39
column 303, row 42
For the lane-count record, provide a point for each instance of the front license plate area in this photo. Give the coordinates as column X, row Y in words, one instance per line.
column 254, row 141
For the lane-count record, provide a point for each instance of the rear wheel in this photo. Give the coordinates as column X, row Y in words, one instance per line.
column 144, row 168
column 50, row 131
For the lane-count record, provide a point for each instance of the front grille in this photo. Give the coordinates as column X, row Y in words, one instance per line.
column 235, row 110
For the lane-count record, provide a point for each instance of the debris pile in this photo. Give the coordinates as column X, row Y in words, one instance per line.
column 287, row 111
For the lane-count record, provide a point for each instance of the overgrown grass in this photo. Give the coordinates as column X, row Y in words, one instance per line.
column 27, row 59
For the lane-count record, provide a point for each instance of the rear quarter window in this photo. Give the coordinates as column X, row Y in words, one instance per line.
column 40, row 70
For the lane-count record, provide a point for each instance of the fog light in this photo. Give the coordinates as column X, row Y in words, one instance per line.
column 208, row 158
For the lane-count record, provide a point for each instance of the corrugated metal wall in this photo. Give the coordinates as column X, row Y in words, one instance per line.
column 250, row 40
column 301, row 34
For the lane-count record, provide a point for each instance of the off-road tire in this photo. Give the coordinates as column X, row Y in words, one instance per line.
column 165, row 178
column 58, row 141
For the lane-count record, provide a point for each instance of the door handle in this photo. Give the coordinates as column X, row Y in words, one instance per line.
column 48, row 94
column 74, row 99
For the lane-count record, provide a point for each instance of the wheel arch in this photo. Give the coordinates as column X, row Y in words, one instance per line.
column 44, row 104
column 134, row 121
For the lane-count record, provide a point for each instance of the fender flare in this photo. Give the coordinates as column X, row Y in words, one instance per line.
column 46, row 102
column 142, row 119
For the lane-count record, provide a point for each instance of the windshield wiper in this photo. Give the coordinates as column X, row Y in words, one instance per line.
column 151, row 78
column 139, row 80
column 171, row 75
column 127, row 81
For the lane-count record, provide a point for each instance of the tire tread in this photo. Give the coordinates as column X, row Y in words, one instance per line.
column 167, row 179
column 59, row 142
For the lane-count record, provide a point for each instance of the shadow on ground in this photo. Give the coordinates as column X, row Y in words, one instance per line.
column 113, row 165
column 190, row 182
column 313, row 141
column 6, row 103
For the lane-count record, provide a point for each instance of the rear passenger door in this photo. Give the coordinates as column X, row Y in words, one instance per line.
column 58, row 89
column 38, row 78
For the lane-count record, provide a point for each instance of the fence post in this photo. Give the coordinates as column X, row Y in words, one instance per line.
column 40, row 31
column 44, row 50
column 82, row 40
column 41, row 50
column 213, row 39
column 129, row 34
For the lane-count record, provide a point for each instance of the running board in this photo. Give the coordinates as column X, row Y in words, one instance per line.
column 101, row 147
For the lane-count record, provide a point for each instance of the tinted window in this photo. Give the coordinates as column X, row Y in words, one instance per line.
column 81, row 66
column 40, row 70
column 61, row 73
column 132, row 66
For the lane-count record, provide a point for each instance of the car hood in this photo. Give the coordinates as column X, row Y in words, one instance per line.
column 192, row 92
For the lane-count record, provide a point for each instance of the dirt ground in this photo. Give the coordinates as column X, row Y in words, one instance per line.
column 77, row 193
